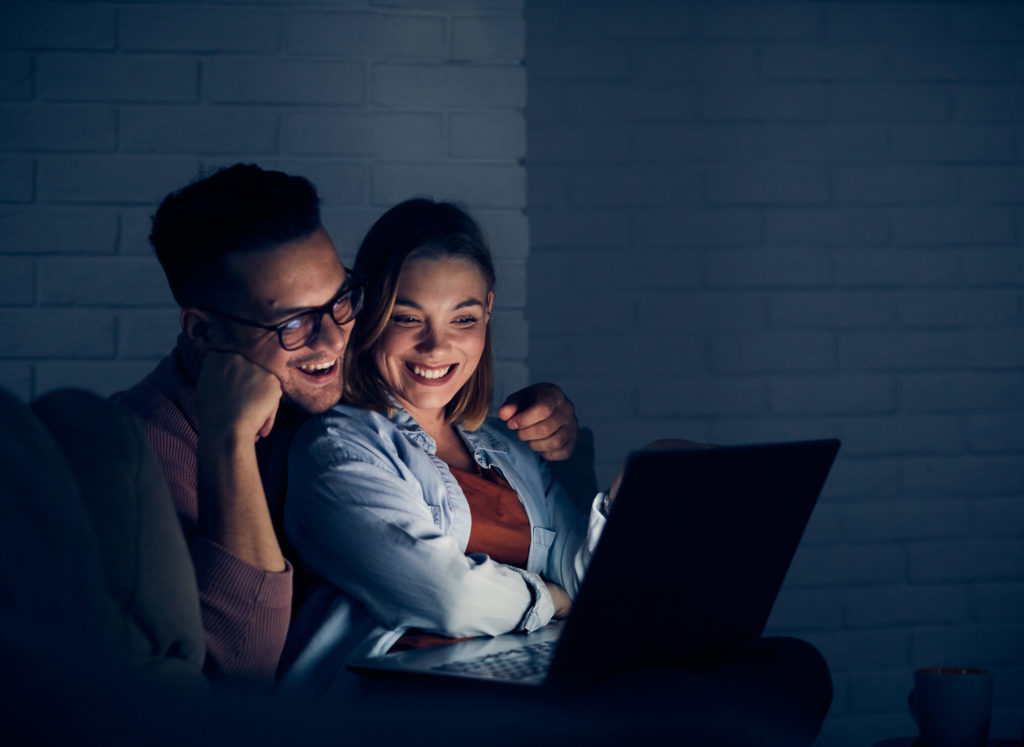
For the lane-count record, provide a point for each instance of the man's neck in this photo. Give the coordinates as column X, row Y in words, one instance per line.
column 189, row 356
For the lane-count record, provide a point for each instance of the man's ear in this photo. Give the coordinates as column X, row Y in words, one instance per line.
column 195, row 324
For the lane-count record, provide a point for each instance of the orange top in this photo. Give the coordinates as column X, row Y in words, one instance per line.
column 499, row 528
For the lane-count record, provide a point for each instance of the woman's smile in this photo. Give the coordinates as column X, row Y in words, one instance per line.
column 431, row 375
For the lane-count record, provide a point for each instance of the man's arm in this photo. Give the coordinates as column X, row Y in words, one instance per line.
column 245, row 607
column 237, row 405
column 245, row 583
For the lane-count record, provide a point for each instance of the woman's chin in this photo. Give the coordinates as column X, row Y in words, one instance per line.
column 428, row 399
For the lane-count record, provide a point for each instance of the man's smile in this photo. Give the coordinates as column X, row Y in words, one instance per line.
column 320, row 369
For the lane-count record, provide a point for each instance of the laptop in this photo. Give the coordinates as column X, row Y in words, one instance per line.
column 690, row 561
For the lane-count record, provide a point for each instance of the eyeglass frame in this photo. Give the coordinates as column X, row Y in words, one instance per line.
column 352, row 283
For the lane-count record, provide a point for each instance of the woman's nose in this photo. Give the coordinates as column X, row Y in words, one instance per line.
column 432, row 338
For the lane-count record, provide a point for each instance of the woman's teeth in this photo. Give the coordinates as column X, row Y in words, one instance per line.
column 431, row 373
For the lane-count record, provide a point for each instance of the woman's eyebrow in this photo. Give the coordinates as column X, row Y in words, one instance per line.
column 464, row 304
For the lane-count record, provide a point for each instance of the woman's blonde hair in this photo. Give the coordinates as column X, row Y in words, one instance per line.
column 420, row 229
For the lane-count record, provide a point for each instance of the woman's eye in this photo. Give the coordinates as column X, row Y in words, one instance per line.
column 466, row 321
column 404, row 321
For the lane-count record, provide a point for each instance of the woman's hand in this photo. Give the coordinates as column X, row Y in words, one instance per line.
column 562, row 602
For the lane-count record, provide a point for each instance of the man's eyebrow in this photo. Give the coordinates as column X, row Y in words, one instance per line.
column 284, row 315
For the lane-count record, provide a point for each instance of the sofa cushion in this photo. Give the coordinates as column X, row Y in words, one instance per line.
column 145, row 561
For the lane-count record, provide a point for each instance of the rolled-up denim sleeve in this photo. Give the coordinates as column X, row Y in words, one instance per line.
column 361, row 522
column 542, row 608
column 577, row 535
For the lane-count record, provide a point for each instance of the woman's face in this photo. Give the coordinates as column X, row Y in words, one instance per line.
column 434, row 339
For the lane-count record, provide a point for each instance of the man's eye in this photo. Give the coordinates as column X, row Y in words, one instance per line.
column 295, row 323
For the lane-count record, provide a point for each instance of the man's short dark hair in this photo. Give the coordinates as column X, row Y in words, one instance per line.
column 236, row 209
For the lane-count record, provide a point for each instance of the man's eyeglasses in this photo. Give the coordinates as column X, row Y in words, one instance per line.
column 302, row 329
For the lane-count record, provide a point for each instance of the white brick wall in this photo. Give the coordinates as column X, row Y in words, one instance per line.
column 107, row 106
column 771, row 220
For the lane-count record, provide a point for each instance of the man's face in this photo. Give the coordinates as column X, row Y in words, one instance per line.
column 269, row 287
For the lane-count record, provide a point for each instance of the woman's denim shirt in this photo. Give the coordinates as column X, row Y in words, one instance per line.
column 372, row 510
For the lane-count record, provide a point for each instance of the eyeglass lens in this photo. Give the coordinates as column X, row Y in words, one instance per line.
column 303, row 329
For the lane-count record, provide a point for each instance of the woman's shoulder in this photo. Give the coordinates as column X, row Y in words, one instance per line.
column 494, row 429
column 346, row 418
column 344, row 415
column 510, row 452
column 345, row 430
column 500, row 437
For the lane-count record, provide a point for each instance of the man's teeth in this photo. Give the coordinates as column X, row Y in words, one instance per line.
column 317, row 367
column 428, row 373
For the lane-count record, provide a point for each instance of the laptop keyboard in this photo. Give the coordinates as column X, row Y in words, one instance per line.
column 511, row 665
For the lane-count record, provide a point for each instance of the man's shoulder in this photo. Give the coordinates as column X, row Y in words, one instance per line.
column 163, row 400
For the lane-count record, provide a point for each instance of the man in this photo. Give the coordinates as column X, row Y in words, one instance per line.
column 266, row 310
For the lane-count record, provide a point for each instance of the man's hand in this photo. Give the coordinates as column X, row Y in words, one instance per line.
column 238, row 402
column 236, row 396
column 544, row 418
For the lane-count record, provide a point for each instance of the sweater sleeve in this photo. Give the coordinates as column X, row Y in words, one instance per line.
column 245, row 610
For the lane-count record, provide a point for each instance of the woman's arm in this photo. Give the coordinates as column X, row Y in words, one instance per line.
column 576, row 532
column 561, row 600
column 361, row 523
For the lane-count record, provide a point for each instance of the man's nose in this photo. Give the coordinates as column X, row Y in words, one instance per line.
column 331, row 335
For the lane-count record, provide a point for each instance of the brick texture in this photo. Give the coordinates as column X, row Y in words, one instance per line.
column 770, row 220
column 107, row 107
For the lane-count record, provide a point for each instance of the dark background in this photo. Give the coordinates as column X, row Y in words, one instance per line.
column 731, row 222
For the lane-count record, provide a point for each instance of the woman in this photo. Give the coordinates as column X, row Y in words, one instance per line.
column 429, row 520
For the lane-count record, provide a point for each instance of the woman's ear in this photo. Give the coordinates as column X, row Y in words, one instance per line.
column 490, row 303
column 195, row 324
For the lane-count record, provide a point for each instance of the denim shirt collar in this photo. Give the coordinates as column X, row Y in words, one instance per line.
column 480, row 442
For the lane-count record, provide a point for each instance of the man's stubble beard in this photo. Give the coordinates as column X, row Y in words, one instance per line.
column 311, row 404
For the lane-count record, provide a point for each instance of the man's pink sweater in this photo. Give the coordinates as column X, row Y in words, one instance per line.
column 246, row 610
